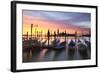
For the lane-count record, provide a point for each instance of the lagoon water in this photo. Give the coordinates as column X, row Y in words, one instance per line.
column 52, row 55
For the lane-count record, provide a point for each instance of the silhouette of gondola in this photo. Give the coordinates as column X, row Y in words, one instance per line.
column 61, row 46
column 30, row 45
column 88, row 44
column 43, row 42
column 55, row 42
column 55, row 45
column 83, row 50
column 71, row 49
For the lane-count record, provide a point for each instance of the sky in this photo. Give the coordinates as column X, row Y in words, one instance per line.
column 52, row 20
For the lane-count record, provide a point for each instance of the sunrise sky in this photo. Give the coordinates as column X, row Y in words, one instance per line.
column 44, row 20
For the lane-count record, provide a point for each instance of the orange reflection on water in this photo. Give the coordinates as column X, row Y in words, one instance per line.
column 42, row 54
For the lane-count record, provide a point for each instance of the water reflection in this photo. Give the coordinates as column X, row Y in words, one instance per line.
column 70, row 51
column 52, row 55
column 42, row 54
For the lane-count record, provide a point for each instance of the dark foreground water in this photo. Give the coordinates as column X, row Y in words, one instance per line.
column 53, row 55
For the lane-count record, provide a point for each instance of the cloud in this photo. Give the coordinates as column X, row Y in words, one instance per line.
column 71, row 18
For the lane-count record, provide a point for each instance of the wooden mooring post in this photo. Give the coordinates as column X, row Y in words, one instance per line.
column 27, row 36
column 75, row 36
column 31, row 30
column 48, row 35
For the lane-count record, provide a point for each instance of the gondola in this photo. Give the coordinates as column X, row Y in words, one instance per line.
column 71, row 48
column 83, row 50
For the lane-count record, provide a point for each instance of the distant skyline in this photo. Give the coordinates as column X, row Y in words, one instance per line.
column 44, row 20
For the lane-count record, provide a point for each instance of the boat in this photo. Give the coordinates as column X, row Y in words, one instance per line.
column 71, row 48
column 61, row 46
column 83, row 50
column 88, row 44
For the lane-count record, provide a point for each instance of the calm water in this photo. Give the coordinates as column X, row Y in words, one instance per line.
column 46, row 54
